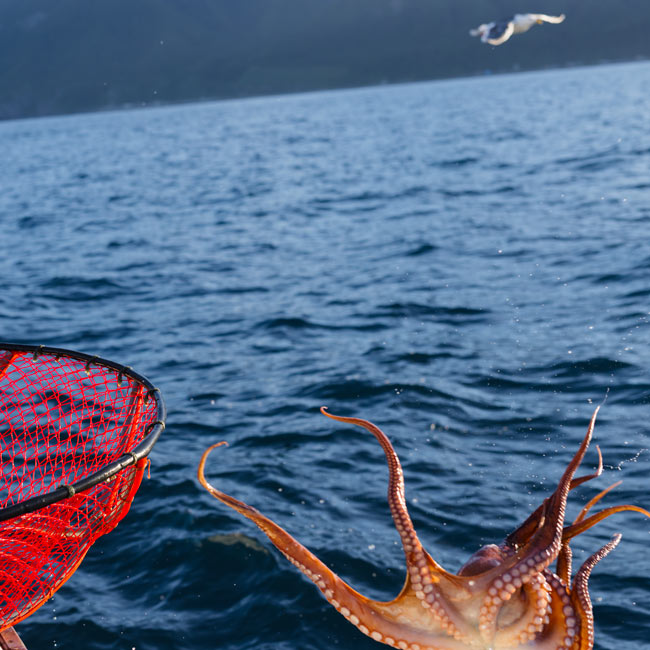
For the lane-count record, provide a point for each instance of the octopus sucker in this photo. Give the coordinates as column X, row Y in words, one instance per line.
column 505, row 597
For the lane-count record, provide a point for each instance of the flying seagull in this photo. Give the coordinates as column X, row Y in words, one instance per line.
column 500, row 31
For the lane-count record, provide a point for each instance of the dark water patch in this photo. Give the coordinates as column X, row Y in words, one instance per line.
column 506, row 134
column 579, row 376
column 422, row 249
column 201, row 428
column 211, row 397
column 449, row 315
column 271, row 348
column 459, row 193
column 399, row 216
column 600, row 165
column 128, row 243
column 34, row 221
column 242, row 290
column 353, row 389
column 588, row 157
column 630, row 394
column 103, row 636
column 589, row 367
column 414, row 191
column 458, row 162
column 115, row 198
column 643, row 151
column 510, row 384
column 637, row 186
column 361, row 197
column 514, row 252
column 136, row 265
column 286, row 441
column 74, row 289
column 606, row 279
column 454, row 194
column 287, row 323
column 299, row 324
column 373, row 197
column 639, row 293
column 627, row 319
column 421, row 358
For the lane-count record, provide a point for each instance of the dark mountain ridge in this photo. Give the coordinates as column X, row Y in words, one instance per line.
column 61, row 56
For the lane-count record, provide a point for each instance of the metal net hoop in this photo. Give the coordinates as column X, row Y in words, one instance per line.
column 75, row 432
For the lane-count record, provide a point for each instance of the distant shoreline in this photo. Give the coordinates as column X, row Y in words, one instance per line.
column 129, row 106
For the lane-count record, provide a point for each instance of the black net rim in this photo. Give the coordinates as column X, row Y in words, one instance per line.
column 142, row 450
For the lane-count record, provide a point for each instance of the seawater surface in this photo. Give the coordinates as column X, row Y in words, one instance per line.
column 466, row 263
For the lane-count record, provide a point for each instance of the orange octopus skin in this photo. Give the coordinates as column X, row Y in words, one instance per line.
column 505, row 597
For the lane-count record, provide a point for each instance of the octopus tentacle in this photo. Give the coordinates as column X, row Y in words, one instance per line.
column 424, row 573
column 593, row 501
column 583, row 479
column 576, row 529
column 564, row 558
column 531, row 623
column 562, row 619
column 580, row 594
column 391, row 622
column 523, row 533
column 396, row 496
column 539, row 551
column 563, row 565
column 346, row 600
column 545, row 543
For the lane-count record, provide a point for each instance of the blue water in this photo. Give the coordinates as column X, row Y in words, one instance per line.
column 466, row 263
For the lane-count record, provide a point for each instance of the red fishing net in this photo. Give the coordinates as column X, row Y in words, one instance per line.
column 74, row 435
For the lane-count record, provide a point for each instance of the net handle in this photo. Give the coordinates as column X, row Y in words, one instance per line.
column 142, row 450
column 9, row 640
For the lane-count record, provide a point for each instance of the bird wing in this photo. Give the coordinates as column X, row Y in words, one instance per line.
column 545, row 18
column 499, row 33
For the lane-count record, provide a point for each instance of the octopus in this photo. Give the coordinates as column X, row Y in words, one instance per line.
column 505, row 597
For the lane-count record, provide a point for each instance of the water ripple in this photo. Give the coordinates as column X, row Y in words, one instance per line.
column 464, row 263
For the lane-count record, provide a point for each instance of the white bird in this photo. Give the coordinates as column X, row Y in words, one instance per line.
column 500, row 31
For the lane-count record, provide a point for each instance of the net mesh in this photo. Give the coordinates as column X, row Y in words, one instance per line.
column 61, row 419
